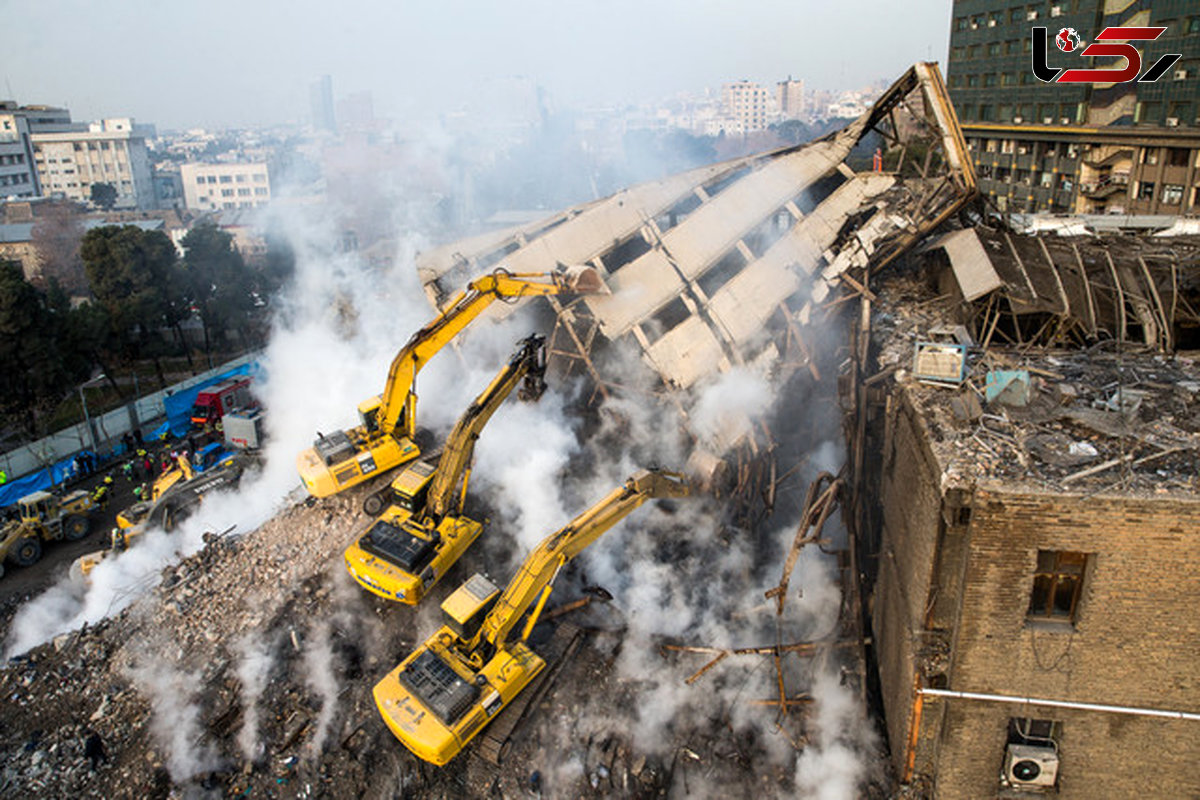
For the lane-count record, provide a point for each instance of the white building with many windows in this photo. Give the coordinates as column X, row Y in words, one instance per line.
column 111, row 151
column 223, row 187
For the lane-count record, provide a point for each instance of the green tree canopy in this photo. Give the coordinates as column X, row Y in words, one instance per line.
column 104, row 195
column 34, row 349
column 219, row 283
column 135, row 275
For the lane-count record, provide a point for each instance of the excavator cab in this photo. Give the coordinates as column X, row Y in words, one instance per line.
column 464, row 610
column 411, row 487
column 368, row 414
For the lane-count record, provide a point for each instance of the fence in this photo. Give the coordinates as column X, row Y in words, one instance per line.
column 108, row 428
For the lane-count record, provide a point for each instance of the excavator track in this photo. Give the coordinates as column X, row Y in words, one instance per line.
column 494, row 741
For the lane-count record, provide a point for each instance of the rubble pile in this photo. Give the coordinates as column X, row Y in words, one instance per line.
column 247, row 672
column 1109, row 416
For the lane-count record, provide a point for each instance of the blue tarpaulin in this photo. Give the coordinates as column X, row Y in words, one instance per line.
column 43, row 479
column 179, row 405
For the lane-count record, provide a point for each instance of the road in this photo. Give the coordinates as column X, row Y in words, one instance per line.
column 21, row 583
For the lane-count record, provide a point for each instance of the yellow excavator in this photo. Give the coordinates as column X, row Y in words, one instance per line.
column 452, row 686
column 385, row 437
column 415, row 541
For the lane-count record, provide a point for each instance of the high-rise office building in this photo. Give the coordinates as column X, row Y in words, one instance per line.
column 320, row 95
column 1129, row 148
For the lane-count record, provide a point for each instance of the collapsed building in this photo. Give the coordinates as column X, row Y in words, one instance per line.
column 1028, row 508
column 982, row 570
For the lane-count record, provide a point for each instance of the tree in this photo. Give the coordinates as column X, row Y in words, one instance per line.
column 219, row 284
column 37, row 368
column 135, row 276
column 104, row 195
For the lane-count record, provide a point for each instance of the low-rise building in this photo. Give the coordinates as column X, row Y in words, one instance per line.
column 224, row 187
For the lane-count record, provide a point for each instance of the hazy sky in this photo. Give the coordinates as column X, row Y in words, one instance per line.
column 219, row 62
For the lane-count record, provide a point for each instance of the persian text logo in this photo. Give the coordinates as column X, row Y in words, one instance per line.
column 1112, row 42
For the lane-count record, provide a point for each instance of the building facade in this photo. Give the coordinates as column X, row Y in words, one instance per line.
column 224, row 187
column 18, row 176
column 320, row 97
column 1127, row 148
column 789, row 97
column 1020, row 624
column 113, row 151
column 747, row 105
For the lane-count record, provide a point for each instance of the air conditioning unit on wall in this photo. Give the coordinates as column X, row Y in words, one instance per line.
column 1029, row 765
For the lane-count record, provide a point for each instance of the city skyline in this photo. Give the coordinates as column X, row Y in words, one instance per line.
column 227, row 65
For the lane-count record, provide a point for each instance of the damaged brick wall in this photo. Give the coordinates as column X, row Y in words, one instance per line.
column 955, row 575
column 1135, row 642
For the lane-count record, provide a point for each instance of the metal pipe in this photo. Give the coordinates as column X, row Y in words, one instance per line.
column 1035, row 701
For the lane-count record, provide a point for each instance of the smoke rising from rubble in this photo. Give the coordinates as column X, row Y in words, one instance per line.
column 319, row 675
column 256, row 656
column 683, row 575
column 175, row 717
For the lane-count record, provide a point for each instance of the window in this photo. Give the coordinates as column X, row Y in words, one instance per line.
column 200, row 179
column 994, row 49
column 227, row 193
column 1016, row 15
column 1193, row 25
column 240, row 178
column 243, row 192
column 1177, row 156
column 986, row 113
column 989, row 80
column 973, row 51
column 211, row 178
column 1150, row 156
column 1149, row 112
column 960, row 24
column 226, row 179
column 1172, row 194
column 260, row 178
column 1057, row 583
column 972, row 81
column 259, row 191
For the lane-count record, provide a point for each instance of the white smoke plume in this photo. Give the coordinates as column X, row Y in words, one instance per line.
column 320, row 677
column 255, row 658
column 337, row 329
column 174, row 717
column 832, row 767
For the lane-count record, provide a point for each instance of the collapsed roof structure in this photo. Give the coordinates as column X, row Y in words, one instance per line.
column 708, row 267
column 1081, row 288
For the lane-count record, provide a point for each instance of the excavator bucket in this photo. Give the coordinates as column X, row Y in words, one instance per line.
column 583, row 280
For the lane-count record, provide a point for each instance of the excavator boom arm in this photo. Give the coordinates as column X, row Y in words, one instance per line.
column 563, row 545
column 461, row 311
column 530, row 359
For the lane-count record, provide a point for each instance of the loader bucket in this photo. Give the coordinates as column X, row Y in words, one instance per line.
column 583, row 280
